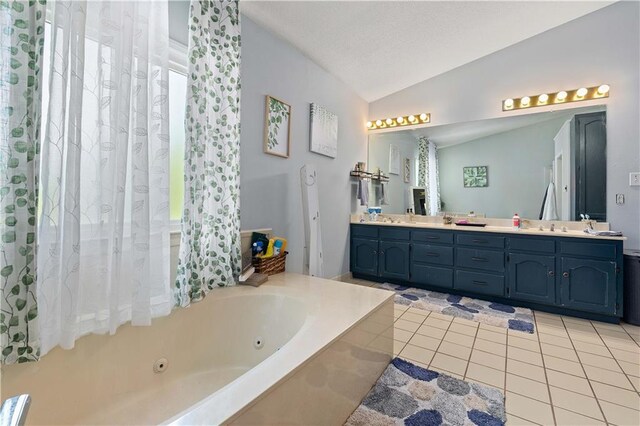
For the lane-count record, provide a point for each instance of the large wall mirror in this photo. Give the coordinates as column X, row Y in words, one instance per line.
column 548, row 165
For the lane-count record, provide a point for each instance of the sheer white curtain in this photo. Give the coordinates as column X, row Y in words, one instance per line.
column 104, row 226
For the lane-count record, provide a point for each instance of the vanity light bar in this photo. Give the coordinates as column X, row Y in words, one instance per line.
column 401, row 121
column 562, row 97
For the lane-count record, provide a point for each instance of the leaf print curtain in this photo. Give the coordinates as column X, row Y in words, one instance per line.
column 428, row 174
column 21, row 48
column 104, row 231
column 210, row 243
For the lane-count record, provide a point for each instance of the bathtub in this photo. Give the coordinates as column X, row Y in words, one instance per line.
column 297, row 350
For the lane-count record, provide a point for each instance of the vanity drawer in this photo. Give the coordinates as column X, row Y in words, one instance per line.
column 438, row 237
column 437, row 255
column 432, row 275
column 605, row 250
column 537, row 245
column 488, row 260
column 389, row 233
column 481, row 240
column 478, row 282
column 364, row 231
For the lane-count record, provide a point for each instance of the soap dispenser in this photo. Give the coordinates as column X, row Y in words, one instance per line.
column 516, row 221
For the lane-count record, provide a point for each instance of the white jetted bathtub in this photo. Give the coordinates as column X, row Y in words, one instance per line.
column 296, row 350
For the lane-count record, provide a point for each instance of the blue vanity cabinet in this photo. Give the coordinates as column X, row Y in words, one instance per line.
column 364, row 249
column 589, row 285
column 532, row 269
column 394, row 260
column 591, row 277
column 561, row 274
column 364, row 256
column 532, row 277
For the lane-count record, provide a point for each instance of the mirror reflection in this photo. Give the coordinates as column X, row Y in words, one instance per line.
column 549, row 166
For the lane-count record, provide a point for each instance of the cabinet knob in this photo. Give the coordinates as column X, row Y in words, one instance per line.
column 551, row 273
column 565, row 274
column 375, row 252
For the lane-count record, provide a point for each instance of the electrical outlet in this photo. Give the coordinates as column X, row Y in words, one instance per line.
column 634, row 179
column 619, row 199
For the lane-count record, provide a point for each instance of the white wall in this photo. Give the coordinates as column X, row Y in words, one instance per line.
column 396, row 190
column 601, row 47
column 270, row 193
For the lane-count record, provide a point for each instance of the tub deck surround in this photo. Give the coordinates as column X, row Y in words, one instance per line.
column 570, row 273
column 217, row 372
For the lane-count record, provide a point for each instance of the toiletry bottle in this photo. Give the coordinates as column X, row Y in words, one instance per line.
column 277, row 247
column 516, row 221
column 269, row 252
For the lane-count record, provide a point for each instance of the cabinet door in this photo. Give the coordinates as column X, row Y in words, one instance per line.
column 394, row 260
column 364, row 256
column 532, row 277
column 588, row 285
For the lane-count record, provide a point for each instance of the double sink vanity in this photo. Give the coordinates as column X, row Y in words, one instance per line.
column 569, row 273
column 548, row 167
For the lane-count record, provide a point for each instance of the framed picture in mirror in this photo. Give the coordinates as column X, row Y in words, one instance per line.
column 475, row 177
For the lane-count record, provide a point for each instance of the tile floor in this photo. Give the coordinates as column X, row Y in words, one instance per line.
column 569, row 372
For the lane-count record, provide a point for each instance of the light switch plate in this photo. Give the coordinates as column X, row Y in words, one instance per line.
column 634, row 179
column 619, row 199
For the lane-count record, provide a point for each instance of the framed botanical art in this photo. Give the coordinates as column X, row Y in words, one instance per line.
column 475, row 177
column 323, row 137
column 407, row 170
column 277, row 127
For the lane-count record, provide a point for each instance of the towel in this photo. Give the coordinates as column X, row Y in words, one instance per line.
column 603, row 233
column 549, row 210
column 363, row 193
column 383, row 198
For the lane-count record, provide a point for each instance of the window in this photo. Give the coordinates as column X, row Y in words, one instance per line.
column 177, row 100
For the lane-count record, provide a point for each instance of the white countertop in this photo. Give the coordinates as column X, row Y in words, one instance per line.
column 493, row 229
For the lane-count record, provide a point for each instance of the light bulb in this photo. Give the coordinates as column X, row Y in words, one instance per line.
column 525, row 101
column 543, row 98
column 423, row 117
column 561, row 96
column 369, row 124
column 508, row 103
column 400, row 120
column 389, row 121
column 581, row 92
column 412, row 118
column 378, row 123
column 603, row 89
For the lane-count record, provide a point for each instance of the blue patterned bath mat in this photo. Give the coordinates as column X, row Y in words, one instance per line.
column 490, row 313
column 410, row 395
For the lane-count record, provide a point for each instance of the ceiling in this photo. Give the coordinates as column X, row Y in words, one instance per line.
column 380, row 47
column 453, row 134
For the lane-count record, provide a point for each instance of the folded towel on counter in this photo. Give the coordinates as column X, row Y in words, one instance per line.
column 603, row 233
column 363, row 193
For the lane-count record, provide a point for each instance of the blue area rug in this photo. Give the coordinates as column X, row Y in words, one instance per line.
column 496, row 314
column 410, row 395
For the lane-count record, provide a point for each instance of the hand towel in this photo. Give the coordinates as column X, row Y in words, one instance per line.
column 363, row 193
column 550, row 212
column 383, row 198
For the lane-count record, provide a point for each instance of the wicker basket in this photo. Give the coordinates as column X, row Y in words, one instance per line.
column 270, row 265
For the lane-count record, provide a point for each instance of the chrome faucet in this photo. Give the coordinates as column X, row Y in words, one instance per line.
column 14, row 410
